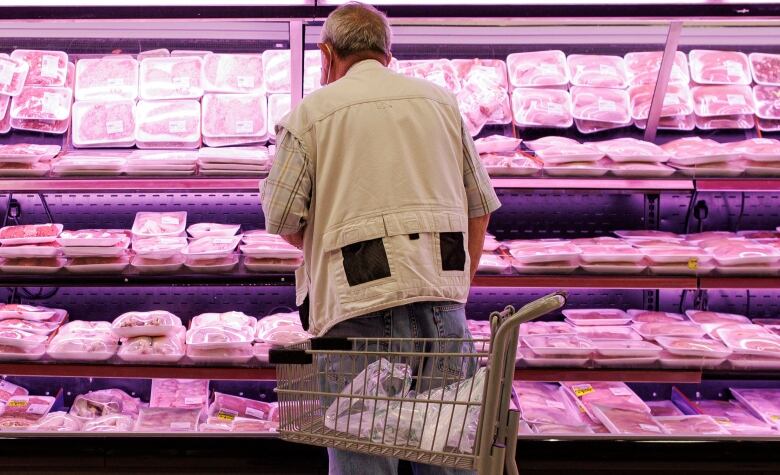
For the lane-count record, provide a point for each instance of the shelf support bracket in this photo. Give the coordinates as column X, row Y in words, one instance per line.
column 664, row 72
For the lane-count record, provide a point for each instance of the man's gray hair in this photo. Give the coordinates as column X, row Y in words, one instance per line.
column 355, row 28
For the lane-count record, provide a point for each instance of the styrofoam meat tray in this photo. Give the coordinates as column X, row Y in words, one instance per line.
column 158, row 266
column 534, row 360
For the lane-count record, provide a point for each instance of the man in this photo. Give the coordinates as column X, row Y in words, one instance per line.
column 378, row 181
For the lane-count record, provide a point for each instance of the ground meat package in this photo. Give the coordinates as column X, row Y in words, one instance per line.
column 542, row 108
column 765, row 68
column 12, row 75
column 227, row 406
column 180, row 393
column 107, row 79
column 97, row 124
column 233, row 73
column 46, row 68
column 538, row 68
column 171, row 78
column 235, row 115
column 168, row 124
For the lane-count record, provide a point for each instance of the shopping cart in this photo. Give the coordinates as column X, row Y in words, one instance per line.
column 421, row 400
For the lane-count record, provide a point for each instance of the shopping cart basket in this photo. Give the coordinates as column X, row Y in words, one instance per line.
column 422, row 400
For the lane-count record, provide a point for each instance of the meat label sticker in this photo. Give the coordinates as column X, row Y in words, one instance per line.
column 50, row 66
column 174, row 221
column 6, row 72
column 177, row 126
column 607, row 70
column 693, row 263
column 256, row 413
column 181, row 82
column 115, row 82
column 547, row 68
column 190, row 401
column 621, row 391
column 650, row 428
column 244, row 126
column 554, row 108
column 736, row 99
column 245, row 81
column 722, row 420
column 50, row 103
column 607, row 106
column 734, row 69
column 39, row 409
column 774, row 418
column 17, row 403
column 582, row 389
column 223, row 240
column 671, row 100
column 115, row 127
column 555, row 404
column 226, row 415
column 180, row 425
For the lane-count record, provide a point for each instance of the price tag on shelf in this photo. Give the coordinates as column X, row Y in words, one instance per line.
column 582, row 389
column 50, row 66
column 693, row 263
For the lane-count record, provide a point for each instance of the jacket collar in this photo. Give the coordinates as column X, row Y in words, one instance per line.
column 366, row 64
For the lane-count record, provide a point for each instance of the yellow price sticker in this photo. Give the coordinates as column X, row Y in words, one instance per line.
column 774, row 418
column 17, row 403
column 693, row 263
column 225, row 416
column 722, row 420
column 582, row 389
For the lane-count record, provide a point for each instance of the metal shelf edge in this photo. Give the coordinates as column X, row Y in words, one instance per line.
column 133, row 371
column 597, row 184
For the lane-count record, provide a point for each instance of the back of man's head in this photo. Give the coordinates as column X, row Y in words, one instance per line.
column 356, row 28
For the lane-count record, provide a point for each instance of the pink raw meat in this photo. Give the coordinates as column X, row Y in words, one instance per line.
column 663, row 409
column 528, row 252
column 170, row 345
column 9, row 390
column 166, row 419
column 22, row 411
column 750, row 339
column 179, row 393
column 597, row 71
column 677, row 101
column 12, row 75
column 438, row 71
column 233, row 73
column 276, row 71
column 691, row 425
column 691, row 147
column 765, row 68
column 712, row 101
column 739, row 121
column 680, row 122
column 767, row 99
column 542, row 107
column 5, row 122
column 602, row 105
column 486, row 71
column 496, row 144
column 38, row 328
column 629, row 149
column 653, row 329
column 42, row 103
column 656, row 317
column 234, row 406
column 108, row 78
column 542, row 403
column 744, row 253
column 234, row 115
column 480, row 105
column 103, row 123
column 47, row 68
column 642, row 68
column 538, row 68
column 168, row 122
column 625, row 421
column 171, row 78
column 719, row 67
column 546, row 328
column 733, row 417
column 609, row 394
column 759, row 149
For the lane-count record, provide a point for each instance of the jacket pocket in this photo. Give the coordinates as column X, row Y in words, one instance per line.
column 453, row 336
column 365, row 261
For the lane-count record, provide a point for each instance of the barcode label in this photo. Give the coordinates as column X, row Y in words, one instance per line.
column 607, row 70
column 257, row 413
column 181, row 82
column 736, row 99
column 115, row 127
column 620, row 391
column 50, row 103
column 180, row 426
column 50, row 66
column 176, row 126
column 244, row 126
column 245, row 81
column 6, row 73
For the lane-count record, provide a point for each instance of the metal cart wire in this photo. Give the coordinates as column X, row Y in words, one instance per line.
column 422, row 400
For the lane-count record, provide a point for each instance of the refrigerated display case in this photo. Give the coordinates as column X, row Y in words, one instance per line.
column 593, row 83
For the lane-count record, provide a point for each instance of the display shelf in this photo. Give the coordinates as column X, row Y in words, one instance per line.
column 137, row 435
column 713, row 283
column 596, row 184
column 624, row 375
column 137, row 371
column 586, row 281
column 190, row 183
column 738, row 185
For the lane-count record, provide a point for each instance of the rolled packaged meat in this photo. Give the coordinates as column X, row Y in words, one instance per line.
column 538, row 68
column 95, row 404
column 597, row 71
column 719, row 67
column 233, row 73
column 542, row 108
column 177, row 77
column 107, row 78
column 13, row 74
column 150, row 224
column 154, row 323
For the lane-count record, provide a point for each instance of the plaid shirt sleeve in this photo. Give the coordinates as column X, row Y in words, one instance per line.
column 480, row 195
column 286, row 193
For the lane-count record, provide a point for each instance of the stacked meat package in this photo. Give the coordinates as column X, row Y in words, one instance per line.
column 269, row 253
column 722, row 98
column 96, row 250
column 279, row 329
column 540, row 97
column 562, row 156
column 251, row 160
column 150, row 337
column 31, row 249
column 677, row 106
column 501, row 157
column 25, row 329
column 26, row 160
column 83, row 341
column 221, row 338
column 212, row 248
column 158, row 241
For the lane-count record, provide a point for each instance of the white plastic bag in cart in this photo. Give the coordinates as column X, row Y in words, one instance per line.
column 352, row 412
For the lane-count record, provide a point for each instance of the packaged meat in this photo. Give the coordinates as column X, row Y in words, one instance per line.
column 700, row 347
column 24, row 340
column 234, row 355
column 559, row 345
column 201, row 230
column 9, row 390
column 542, row 108
column 695, row 151
column 647, row 316
column 597, row 71
column 46, row 68
column 509, row 164
column 739, row 121
column 212, row 246
column 179, row 393
column 277, row 249
column 640, row 170
column 663, row 409
column 95, row 404
column 190, row 52
column 750, row 341
column 710, row 101
column 599, row 254
column 279, row 105
column 211, row 264
column 438, row 71
column 538, row 68
column 765, row 125
column 29, row 234
column 209, row 337
column 243, row 424
column 480, row 105
column 594, row 126
column 5, row 127
column 607, row 332
column 159, row 247
column 643, row 67
column 281, row 329
column 83, row 341
column 678, row 101
column 546, row 328
column 627, row 422
column 110, row 423
column 626, row 348
column 98, row 265
column 627, row 149
column 152, row 224
column 32, row 265
column 496, row 144
column 32, row 313
column 765, row 68
column 177, row 77
column 606, row 394
column 104, row 123
column 747, row 253
column 166, row 419
column 767, row 102
column 56, row 422
column 276, row 71
column 677, row 255
column 535, row 252
column 43, row 126
column 22, row 411
column 229, row 407
column 602, row 105
column 652, row 330
column 154, row 323
column 272, row 265
column 492, row 264
column 764, row 403
column 483, row 71
column 167, row 124
column 42, row 103
column 106, row 79
column 719, row 67
column 13, row 75
column 757, row 149
column 691, row 425
column 733, row 417
column 544, row 403
column 234, row 115
column 156, row 349
column 551, row 141
column 596, row 316
column 30, row 250
column 233, row 73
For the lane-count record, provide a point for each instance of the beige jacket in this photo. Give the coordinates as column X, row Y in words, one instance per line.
column 388, row 216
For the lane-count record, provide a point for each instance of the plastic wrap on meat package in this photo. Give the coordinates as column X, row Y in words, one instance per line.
column 179, row 393
column 625, row 421
column 222, row 355
column 154, row 349
column 680, row 122
column 483, row 71
column 110, row 423
column 42, row 103
column 5, row 122
column 710, row 101
column 354, row 414
column 95, row 404
column 627, row 149
column 765, row 68
column 28, row 312
column 601, row 105
column 233, row 73
column 166, row 419
column 20, row 412
column 229, row 407
column 151, row 224
column 665, row 408
column 750, row 340
column 767, row 102
column 480, row 106
column 167, row 124
column 733, row 417
column 678, row 100
column 9, row 390
column 438, row 71
column 19, row 338
column 597, row 71
column 159, row 247
column 764, row 402
column 542, row 107
column 234, row 115
column 643, row 67
column 496, row 144
column 719, row 67
column 278, row 107
column 689, row 151
column 57, row 422
column 13, row 74
column 212, row 246
column 740, row 121
column 281, row 329
column 594, row 126
column 46, row 68
column 691, row 425
column 276, row 71
column 538, row 68
column 153, row 323
column 210, row 337
column 171, row 78
column 544, row 403
column 236, row 320
column 83, row 341
column 609, row 394
column 98, row 123
column 107, row 79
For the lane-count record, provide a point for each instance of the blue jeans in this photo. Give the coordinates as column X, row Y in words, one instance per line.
column 417, row 320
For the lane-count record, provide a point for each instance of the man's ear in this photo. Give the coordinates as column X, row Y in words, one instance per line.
column 389, row 57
